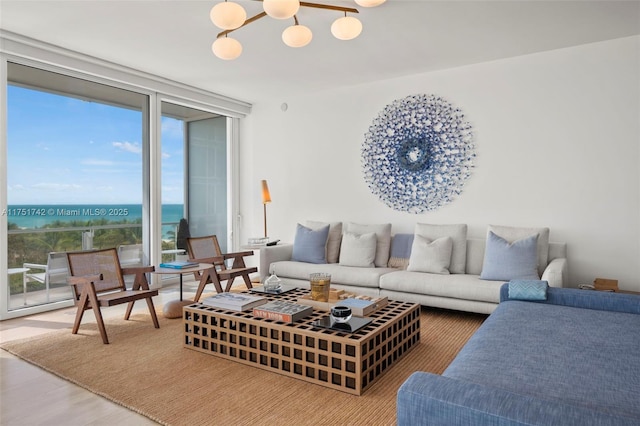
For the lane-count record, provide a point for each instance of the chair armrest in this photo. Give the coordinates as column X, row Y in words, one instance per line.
column 216, row 260
column 34, row 266
column 271, row 254
column 556, row 273
column 237, row 254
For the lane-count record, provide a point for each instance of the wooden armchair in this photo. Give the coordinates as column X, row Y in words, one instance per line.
column 96, row 279
column 207, row 250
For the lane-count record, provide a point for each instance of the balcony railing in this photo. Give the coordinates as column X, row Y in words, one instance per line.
column 29, row 252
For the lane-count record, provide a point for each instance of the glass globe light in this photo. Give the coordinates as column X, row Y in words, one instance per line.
column 346, row 28
column 228, row 15
column 281, row 9
column 297, row 36
column 226, row 48
column 369, row 3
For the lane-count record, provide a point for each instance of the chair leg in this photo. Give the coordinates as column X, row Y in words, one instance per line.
column 204, row 280
column 229, row 284
column 152, row 311
column 82, row 306
column 129, row 308
column 247, row 281
column 96, row 310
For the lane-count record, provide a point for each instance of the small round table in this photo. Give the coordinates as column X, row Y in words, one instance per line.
column 173, row 309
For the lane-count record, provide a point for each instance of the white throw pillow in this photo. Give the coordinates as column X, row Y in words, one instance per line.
column 512, row 234
column 358, row 250
column 431, row 256
column 383, row 236
column 458, row 234
column 334, row 240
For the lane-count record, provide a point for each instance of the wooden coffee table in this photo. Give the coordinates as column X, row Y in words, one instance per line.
column 349, row 362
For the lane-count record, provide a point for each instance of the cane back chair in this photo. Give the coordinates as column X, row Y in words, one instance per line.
column 207, row 250
column 96, row 279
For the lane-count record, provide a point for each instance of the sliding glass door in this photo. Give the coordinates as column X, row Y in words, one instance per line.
column 75, row 153
column 199, row 139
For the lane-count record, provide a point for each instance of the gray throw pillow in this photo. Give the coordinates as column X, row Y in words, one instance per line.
column 358, row 250
column 309, row 245
column 334, row 240
column 513, row 233
column 431, row 256
column 383, row 237
column 458, row 234
column 504, row 261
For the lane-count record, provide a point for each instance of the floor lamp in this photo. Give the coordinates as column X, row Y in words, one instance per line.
column 266, row 199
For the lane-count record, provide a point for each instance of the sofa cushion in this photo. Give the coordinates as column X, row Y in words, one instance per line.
column 510, row 261
column 511, row 234
column 582, row 357
column 459, row 286
column 334, row 239
column 310, row 245
column 358, row 250
column 400, row 251
column 430, row 256
column 383, row 235
column 458, row 234
column 345, row 275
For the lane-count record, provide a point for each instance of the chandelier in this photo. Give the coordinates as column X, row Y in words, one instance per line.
column 230, row 16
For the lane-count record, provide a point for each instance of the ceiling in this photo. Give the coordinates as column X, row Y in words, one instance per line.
column 172, row 39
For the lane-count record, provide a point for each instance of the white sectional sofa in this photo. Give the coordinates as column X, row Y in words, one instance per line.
column 464, row 291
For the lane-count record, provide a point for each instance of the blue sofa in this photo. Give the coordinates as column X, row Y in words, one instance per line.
column 573, row 359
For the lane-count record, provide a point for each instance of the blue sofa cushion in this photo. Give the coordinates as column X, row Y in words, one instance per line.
column 504, row 261
column 585, row 358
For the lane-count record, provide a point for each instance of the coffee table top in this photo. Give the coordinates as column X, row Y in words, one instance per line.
column 380, row 318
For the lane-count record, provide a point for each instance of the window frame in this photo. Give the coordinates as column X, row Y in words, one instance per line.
column 23, row 51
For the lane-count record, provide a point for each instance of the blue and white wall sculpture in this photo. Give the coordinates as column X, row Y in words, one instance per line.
column 418, row 153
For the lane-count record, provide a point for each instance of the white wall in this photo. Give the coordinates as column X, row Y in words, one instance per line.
column 558, row 144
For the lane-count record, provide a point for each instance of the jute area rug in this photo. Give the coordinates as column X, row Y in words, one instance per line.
column 148, row 371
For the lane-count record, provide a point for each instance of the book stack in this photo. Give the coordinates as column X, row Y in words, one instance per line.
column 362, row 307
column 179, row 264
column 234, row 301
column 282, row 311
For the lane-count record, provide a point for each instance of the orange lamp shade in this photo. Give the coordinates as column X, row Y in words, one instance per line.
column 266, row 196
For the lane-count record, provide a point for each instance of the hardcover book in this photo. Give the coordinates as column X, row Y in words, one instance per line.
column 179, row 264
column 362, row 307
column 282, row 311
column 234, row 301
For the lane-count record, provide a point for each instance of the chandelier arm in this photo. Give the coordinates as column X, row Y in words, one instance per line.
column 247, row 22
column 328, row 6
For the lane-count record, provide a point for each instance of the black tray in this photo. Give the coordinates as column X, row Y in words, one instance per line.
column 354, row 324
column 284, row 288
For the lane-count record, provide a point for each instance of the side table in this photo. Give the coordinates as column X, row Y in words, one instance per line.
column 173, row 309
column 22, row 271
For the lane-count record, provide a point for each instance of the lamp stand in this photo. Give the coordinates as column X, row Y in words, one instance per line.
column 265, row 219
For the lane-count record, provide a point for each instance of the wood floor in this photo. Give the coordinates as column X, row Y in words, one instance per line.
column 31, row 396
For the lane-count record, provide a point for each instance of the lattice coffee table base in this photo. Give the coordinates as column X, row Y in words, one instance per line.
column 343, row 361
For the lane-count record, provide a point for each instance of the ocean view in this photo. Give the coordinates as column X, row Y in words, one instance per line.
column 39, row 215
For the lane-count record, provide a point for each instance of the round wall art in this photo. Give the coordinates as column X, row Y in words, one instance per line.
column 418, row 153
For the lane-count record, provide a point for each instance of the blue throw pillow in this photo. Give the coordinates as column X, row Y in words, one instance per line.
column 400, row 251
column 309, row 245
column 505, row 262
column 528, row 289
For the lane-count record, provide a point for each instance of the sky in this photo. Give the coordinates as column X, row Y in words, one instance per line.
column 63, row 150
